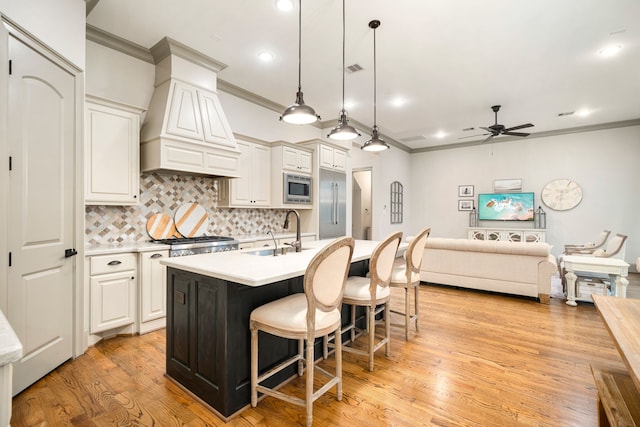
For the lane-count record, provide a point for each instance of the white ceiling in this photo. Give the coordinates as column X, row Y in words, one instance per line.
column 449, row 60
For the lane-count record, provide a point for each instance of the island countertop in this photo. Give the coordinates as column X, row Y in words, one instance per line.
column 251, row 270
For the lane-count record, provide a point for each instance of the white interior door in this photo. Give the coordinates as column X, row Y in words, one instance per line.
column 41, row 131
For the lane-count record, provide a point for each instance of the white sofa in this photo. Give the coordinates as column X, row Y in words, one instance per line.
column 505, row 267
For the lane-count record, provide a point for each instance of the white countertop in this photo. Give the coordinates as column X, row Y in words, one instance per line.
column 10, row 346
column 252, row 270
column 260, row 237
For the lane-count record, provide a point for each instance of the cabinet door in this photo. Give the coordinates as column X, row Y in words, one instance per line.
column 326, row 157
column 112, row 300
column 290, row 159
column 305, row 161
column 112, row 145
column 241, row 187
column 184, row 113
column 261, row 175
column 215, row 128
column 153, row 286
column 339, row 160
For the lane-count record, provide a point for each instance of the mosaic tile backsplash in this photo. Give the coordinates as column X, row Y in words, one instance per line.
column 164, row 193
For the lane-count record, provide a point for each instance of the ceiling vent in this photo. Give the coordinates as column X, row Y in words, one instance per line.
column 353, row 68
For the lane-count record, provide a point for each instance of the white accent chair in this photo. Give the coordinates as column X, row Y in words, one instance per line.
column 305, row 317
column 373, row 293
column 588, row 248
column 408, row 277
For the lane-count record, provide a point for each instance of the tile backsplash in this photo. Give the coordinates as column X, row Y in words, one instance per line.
column 164, row 193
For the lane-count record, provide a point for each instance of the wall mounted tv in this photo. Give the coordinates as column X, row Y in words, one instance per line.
column 505, row 207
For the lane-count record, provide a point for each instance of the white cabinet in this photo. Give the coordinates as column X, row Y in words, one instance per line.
column 153, row 291
column 528, row 235
column 296, row 160
column 253, row 188
column 333, row 158
column 112, row 291
column 112, row 145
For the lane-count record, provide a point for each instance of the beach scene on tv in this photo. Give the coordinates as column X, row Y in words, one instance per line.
column 505, row 207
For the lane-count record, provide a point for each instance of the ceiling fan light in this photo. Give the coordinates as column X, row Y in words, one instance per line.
column 343, row 130
column 375, row 143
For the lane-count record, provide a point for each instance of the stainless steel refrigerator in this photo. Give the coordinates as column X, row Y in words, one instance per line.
column 333, row 204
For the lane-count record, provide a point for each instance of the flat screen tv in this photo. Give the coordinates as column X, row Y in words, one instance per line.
column 505, row 207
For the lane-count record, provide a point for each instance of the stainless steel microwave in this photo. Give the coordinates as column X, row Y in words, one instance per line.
column 297, row 189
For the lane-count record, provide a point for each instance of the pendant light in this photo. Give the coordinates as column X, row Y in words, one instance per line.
column 299, row 113
column 343, row 131
column 375, row 143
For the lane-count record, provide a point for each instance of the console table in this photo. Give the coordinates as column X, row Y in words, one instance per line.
column 528, row 235
column 616, row 269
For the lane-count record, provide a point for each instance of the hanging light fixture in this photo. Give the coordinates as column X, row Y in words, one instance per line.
column 299, row 113
column 343, row 130
column 375, row 143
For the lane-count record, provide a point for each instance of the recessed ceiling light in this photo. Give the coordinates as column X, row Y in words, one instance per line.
column 284, row 5
column 610, row 50
column 583, row 113
column 265, row 56
column 441, row 134
column 398, row 102
column 349, row 104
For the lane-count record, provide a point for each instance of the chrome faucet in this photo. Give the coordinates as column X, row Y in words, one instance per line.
column 275, row 250
column 297, row 244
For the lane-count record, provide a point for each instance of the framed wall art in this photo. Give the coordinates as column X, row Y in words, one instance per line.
column 507, row 185
column 465, row 190
column 465, row 205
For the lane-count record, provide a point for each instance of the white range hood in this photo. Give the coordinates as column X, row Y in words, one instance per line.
column 185, row 129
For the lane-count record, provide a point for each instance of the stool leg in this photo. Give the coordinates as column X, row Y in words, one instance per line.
column 371, row 326
column 254, row 367
column 301, row 360
column 353, row 323
column 387, row 327
column 309, row 383
column 407, row 312
column 416, row 290
column 339, row 366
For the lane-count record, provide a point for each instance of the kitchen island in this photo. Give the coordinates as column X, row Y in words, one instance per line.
column 209, row 300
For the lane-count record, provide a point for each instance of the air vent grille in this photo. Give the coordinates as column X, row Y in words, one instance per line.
column 353, row 68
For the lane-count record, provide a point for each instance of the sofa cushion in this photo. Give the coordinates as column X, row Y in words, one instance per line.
column 490, row 246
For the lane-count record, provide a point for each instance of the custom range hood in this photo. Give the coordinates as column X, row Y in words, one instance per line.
column 185, row 129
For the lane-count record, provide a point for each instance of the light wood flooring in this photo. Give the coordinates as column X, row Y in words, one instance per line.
column 479, row 360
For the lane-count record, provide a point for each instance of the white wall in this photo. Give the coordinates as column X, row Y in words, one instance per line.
column 603, row 162
column 386, row 167
column 59, row 24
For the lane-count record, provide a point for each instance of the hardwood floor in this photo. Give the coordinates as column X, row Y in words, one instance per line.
column 479, row 360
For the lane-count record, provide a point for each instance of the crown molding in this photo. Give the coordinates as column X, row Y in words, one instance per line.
column 545, row 134
column 119, row 44
column 167, row 46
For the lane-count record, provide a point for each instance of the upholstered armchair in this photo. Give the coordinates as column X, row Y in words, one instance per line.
column 588, row 248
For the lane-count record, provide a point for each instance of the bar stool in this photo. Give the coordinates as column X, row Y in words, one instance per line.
column 373, row 293
column 408, row 277
column 305, row 317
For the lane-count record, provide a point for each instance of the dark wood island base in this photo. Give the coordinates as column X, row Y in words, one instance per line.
column 208, row 339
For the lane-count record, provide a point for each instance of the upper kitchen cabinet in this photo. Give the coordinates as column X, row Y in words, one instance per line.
column 292, row 159
column 332, row 158
column 112, row 140
column 186, row 129
column 253, row 187
column 295, row 162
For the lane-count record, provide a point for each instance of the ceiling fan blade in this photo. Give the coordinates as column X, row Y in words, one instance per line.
column 515, row 133
column 488, row 138
column 526, row 125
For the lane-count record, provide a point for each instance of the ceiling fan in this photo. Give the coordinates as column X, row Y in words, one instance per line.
column 498, row 129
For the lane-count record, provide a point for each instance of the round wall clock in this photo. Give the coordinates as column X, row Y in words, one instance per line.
column 561, row 194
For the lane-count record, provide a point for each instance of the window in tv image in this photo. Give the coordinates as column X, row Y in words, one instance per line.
column 506, row 207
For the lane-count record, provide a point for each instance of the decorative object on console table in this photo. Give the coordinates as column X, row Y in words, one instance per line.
column 539, row 218
column 507, row 185
column 465, row 205
column 465, row 190
column 473, row 217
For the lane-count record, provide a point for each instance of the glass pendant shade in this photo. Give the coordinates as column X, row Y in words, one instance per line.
column 299, row 113
column 343, row 131
column 375, row 143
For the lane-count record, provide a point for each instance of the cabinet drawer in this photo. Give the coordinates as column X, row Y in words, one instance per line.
column 112, row 263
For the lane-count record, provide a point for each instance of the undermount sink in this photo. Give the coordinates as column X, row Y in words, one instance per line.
column 269, row 251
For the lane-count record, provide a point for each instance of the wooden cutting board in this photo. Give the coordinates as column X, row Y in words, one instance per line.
column 161, row 226
column 191, row 220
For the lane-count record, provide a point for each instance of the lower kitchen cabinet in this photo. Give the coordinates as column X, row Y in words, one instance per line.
column 153, row 291
column 112, row 291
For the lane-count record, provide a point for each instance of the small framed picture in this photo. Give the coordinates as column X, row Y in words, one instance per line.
column 465, row 190
column 465, row 205
column 507, row 185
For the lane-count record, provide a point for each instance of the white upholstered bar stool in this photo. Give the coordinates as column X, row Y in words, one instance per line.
column 305, row 317
column 408, row 277
column 373, row 293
